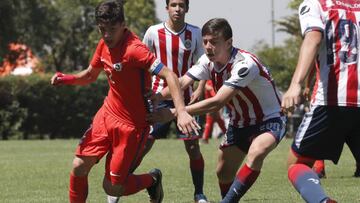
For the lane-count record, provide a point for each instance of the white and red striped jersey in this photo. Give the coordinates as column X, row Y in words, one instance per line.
column 337, row 77
column 257, row 100
column 178, row 51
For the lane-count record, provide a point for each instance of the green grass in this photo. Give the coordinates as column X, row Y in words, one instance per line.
column 37, row 171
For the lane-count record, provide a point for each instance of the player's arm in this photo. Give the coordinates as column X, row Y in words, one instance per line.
column 212, row 104
column 185, row 122
column 184, row 81
column 215, row 103
column 82, row 78
column 308, row 52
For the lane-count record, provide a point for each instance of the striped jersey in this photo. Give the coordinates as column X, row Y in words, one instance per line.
column 178, row 51
column 257, row 100
column 337, row 77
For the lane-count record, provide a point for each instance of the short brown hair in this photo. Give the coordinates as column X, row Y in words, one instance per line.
column 217, row 26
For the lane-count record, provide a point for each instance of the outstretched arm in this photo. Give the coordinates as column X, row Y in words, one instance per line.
column 82, row 78
column 307, row 56
column 185, row 122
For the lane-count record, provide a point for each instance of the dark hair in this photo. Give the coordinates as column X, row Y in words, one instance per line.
column 110, row 11
column 186, row 2
column 217, row 26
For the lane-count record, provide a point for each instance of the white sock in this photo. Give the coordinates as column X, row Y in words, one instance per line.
column 112, row 199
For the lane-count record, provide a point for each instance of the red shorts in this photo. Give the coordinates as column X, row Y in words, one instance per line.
column 123, row 143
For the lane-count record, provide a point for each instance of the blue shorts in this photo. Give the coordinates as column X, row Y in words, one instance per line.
column 323, row 131
column 161, row 130
column 243, row 137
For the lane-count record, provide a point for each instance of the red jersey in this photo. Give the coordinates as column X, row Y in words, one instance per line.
column 128, row 67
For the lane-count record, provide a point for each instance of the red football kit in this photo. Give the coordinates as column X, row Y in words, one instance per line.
column 119, row 127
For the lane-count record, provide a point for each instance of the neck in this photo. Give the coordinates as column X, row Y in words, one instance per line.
column 224, row 60
column 175, row 26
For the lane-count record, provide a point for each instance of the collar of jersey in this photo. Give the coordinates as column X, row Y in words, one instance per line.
column 175, row 33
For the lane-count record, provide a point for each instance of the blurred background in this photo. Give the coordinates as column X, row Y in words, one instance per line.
column 40, row 37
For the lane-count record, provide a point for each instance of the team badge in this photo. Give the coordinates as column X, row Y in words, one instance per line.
column 117, row 67
column 304, row 10
column 243, row 72
column 187, row 44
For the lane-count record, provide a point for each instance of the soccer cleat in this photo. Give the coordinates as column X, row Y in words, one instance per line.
column 200, row 198
column 357, row 173
column 155, row 191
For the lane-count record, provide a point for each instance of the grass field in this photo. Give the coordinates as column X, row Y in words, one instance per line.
column 37, row 171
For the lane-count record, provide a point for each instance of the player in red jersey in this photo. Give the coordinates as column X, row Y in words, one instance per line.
column 119, row 128
column 178, row 45
column 245, row 86
column 213, row 117
column 331, row 38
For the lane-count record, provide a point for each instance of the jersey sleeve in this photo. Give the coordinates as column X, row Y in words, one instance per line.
column 142, row 57
column 310, row 17
column 199, row 49
column 242, row 74
column 96, row 59
column 200, row 70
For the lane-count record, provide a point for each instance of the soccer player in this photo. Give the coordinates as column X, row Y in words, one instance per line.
column 330, row 30
column 319, row 165
column 245, row 86
column 178, row 45
column 213, row 117
column 119, row 128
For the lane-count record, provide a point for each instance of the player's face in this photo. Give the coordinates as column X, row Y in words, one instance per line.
column 177, row 10
column 112, row 33
column 217, row 49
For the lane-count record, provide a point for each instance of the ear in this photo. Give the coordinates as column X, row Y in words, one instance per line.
column 229, row 42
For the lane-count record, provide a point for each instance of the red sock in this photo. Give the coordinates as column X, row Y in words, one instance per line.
column 78, row 189
column 224, row 188
column 135, row 183
column 319, row 166
column 197, row 164
column 208, row 127
column 247, row 175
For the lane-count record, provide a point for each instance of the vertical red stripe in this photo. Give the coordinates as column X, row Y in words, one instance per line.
column 162, row 45
column 255, row 102
column 333, row 77
column 352, row 71
column 175, row 53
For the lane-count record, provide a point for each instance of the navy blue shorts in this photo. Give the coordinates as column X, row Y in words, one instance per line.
column 161, row 130
column 243, row 137
column 323, row 131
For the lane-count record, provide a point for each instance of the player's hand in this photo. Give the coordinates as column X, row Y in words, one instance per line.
column 291, row 98
column 60, row 78
column 162, row 115
column 187, row 124
column 306, row 94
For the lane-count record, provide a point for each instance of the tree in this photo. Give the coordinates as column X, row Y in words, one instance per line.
column 282, row 59
column 63, row 33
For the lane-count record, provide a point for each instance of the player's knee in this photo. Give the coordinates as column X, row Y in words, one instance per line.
column 113, row 190
column 256, row 154
column 82, row 166
column 193, row 149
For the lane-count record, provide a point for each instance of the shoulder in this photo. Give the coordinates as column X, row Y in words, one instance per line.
column 193, row 27
column 155, row 28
